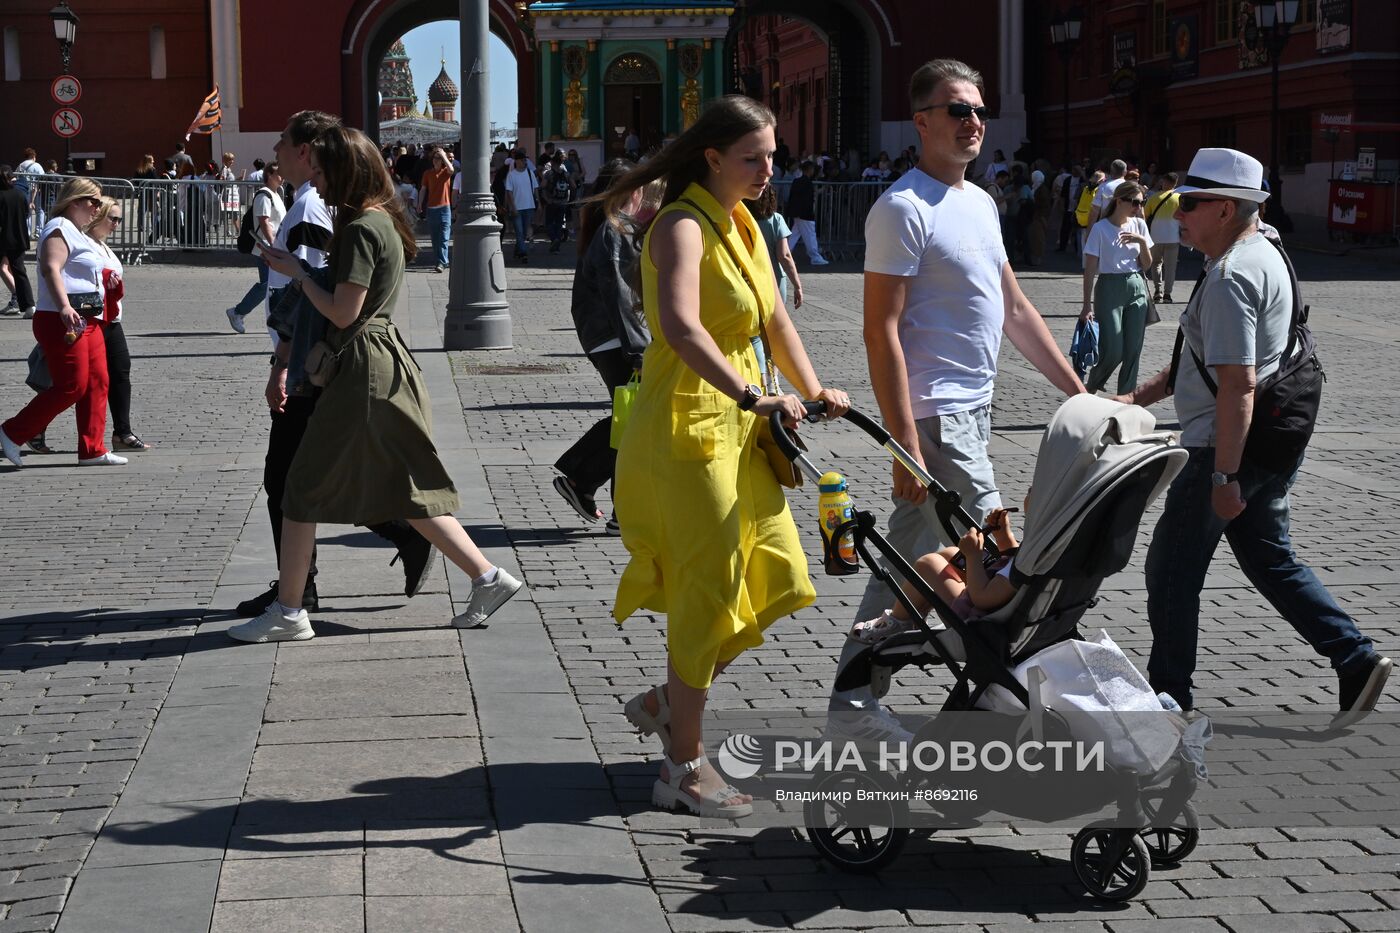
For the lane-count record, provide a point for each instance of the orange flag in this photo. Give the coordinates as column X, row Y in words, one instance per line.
column 209, row 118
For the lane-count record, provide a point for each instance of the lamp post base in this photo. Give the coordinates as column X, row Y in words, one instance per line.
column 478, row 317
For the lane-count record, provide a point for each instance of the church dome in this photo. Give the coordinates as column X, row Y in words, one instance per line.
column 444, row 89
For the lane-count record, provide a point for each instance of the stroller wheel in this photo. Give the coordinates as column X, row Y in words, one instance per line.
column 1112, row 864
column 1168, row 845
column 860, row 837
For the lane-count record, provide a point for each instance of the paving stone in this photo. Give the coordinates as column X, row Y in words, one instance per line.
column 440, row 913
column 292, row 877
column 291, row 915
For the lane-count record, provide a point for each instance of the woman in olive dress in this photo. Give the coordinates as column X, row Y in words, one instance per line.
column 368, row 455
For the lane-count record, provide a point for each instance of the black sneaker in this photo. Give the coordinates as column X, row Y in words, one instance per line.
column 252, row 608
column 416, row 552
column 1359, row 691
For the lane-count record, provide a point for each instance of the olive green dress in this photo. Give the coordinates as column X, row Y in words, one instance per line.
column 368, row 454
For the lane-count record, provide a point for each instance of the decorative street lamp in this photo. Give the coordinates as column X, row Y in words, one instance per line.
column 1064, row 35
column 1276, row 19
column 65, row 30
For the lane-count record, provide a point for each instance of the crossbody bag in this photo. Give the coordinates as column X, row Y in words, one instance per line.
column 322, row 360
column 784, row 469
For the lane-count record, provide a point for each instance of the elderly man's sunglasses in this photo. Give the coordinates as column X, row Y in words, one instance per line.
column 959, row 111
column 1188, row 204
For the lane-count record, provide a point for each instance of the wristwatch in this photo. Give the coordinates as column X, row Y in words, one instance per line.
column 1223, row 479
column 275, row 363
column 752, row 394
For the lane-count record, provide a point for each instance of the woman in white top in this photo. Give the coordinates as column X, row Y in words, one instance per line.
column 109, row 218
column 1118, row 252
column 67, row 324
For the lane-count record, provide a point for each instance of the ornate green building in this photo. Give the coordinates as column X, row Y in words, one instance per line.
column 611, row 69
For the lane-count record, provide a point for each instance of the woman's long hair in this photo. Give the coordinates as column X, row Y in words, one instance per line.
column 356, row 181
column 591, row 215
column 723, row 122
column 7, row 177
column 74, row 189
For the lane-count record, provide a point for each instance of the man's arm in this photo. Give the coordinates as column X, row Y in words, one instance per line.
column 1234, row 409
column 889, row 377
column 1029, row 335
column 1149, row 393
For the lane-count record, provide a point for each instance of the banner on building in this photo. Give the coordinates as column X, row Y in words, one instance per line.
column 1124, row 77
column 1185, row 53
column 209, row 118
column 1253, row 47
column 1333, row 26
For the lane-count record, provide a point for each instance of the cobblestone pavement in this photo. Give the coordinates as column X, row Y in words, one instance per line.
column 394, row 774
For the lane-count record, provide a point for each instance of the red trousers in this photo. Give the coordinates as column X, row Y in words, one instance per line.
column 79, row 376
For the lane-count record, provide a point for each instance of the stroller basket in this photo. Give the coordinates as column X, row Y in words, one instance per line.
column 1101, row 464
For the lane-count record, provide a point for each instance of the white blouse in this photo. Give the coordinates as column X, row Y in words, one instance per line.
column 1114, row 257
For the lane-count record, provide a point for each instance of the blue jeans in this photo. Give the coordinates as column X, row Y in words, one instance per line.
column 524, row 223
column 1180, row 554
column 440, row 228
column 256, row 293
column 954, row 449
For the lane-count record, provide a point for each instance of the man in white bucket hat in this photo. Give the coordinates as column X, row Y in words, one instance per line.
column 1236, row 324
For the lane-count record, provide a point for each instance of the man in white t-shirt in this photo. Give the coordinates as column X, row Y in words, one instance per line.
column 1104, row 192
column 522, row 196
column 26, row 174
column 939, row 294
column 268, row 212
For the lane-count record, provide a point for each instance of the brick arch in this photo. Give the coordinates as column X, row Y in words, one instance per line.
column 371, row 26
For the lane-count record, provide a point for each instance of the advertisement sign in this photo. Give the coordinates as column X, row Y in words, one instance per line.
column 1360, row 207
column 1366, row 163
column 1333, row 26
column 1185, row 52
column 1124, row 77
column 1253, row 47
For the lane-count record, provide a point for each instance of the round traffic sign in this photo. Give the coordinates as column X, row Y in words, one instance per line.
column 67, row 122
column 66, row 90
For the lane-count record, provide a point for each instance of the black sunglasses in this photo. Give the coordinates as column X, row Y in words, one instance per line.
column 959, row 111
column 1135, row 202
column 1187, row 205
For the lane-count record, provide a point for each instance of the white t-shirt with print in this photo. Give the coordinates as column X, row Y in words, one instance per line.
column 1114, row 257
column 522, row 186
column 307, row 208
column 948, row 242
column 83, row 270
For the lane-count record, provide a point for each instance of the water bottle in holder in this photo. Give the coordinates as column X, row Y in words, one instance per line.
column 835, row 509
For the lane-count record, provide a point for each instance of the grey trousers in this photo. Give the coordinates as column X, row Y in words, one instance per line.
column 954, row 448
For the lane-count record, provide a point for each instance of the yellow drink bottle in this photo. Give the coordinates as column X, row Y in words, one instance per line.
column 835, row 508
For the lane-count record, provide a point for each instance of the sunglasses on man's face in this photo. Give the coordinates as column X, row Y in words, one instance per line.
column 1189, row 204
column 959, row 111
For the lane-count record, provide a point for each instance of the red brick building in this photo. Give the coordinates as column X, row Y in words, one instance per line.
column 144, row 66
column 792, row 61
column 1158, row 79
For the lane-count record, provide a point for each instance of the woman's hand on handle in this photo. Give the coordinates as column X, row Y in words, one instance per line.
column 837, row 403
column 790, row 405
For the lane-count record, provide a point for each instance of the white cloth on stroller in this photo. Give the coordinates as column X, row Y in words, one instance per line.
column 1096, row 678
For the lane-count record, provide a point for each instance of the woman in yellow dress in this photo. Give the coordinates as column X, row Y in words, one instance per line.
column 712, row 542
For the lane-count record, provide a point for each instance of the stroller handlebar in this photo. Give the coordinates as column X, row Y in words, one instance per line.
column 949, row 503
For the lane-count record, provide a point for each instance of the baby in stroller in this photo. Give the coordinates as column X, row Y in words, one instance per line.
column 968, row 578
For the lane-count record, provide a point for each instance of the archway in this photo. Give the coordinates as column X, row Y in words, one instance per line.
column 631, row 103
column 837, row 108
column 374, row 25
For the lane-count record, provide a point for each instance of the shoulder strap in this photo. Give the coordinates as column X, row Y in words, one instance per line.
column 1300, row 311
column 1166, row 196
column 729, row 248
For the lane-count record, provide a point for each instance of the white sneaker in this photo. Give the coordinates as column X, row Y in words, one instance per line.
column 235, row 320
column 11, row 450
column 486, row 599
column 867, row 727
column 28, row 313
column 107, row 459
column 272, row 625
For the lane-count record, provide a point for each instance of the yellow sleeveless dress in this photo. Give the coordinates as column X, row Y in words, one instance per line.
column 712, row 542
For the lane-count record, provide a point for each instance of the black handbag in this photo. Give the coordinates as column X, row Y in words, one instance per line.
column 88, row 304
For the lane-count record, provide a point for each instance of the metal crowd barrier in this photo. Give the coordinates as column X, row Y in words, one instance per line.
column 841, row 207
column 162, row 215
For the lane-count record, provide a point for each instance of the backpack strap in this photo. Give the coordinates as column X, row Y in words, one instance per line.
column 1181, row 338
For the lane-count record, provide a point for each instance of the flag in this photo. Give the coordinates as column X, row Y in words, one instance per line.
column 209, row 118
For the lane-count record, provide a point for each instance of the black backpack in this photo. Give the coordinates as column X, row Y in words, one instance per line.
column 246, row 242
column 1286, row 402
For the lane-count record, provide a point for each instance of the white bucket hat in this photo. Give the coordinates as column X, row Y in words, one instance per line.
column 1226, row 173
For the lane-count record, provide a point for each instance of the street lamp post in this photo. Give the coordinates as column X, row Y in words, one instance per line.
column 1276, row 19
column 478, row 317
column 1064, row 35
column 65, row 30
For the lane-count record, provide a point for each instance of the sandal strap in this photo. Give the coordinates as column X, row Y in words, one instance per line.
column 663, row 709
column 682, row 769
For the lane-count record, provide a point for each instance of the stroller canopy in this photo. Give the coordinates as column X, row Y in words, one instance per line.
column 1091, row 445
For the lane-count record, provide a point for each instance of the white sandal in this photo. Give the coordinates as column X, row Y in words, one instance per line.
column 876, row 630
column 670, row 794
column 647, row 724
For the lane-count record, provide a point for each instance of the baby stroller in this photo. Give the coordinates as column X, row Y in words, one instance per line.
column 1100, row 465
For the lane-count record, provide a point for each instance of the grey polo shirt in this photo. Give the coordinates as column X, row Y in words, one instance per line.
column 1239, row 316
